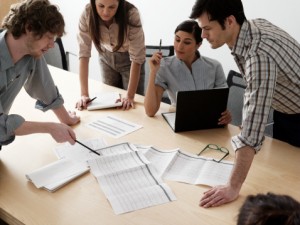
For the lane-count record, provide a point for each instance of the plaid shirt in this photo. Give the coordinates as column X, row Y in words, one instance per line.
column 269, row 60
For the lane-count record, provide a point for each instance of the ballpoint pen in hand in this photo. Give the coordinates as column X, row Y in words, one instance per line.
column 89, row 101
column 160, row 45
column 87, row 147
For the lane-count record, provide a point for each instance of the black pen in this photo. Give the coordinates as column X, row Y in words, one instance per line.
column 89, row 101
column 87, row 147
column 160, row 45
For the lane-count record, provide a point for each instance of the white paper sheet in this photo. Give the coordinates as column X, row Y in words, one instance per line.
column 78, row 152
column 113, row 126
column 178, row 165
column 105, row 100
column 129, row 181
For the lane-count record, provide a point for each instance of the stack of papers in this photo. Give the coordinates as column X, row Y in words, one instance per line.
column 71, row 164
column 55, row 175
column 131, row 176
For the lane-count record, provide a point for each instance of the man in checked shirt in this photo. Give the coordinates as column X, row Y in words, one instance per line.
column 269, row 60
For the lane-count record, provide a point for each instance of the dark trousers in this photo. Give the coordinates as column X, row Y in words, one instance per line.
column 287, row 128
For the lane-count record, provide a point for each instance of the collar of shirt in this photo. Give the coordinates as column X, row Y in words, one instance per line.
column 5, row 57
column 243, row 40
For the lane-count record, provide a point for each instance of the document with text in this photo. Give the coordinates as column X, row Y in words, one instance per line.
column 189, row 168
column 113, row 126
column 129, row 180
column 79, row 153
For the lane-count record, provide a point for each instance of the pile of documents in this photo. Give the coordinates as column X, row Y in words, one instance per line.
column 131, row 176
column 53, row 176
column 72, row 163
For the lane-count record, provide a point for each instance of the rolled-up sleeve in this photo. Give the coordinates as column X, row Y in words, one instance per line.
column 41, row 87
column 56, row 103
column 137, row 49
column 83, row 37
column 8, row 125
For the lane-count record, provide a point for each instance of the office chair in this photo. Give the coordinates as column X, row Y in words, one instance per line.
column 167, row 50
column 237, row 86
column 235, row 103
column 57, row 56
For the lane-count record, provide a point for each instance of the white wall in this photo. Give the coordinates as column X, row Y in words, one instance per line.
column 160, row 18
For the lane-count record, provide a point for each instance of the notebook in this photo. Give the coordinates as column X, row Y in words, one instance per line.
column 105, row 100
column 199, row 109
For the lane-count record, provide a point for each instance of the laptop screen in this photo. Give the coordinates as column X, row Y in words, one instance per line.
column 199, row 109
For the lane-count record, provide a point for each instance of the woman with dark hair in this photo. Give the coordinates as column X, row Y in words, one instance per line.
column 187, row 70
column 114, row 27
column 269, row 209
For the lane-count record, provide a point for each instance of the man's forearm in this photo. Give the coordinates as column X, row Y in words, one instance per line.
column 243, row 160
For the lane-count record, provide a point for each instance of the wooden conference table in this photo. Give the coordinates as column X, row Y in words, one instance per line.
column 276, row 168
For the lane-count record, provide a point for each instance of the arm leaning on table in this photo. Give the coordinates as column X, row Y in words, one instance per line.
column 135, row 71
column 222, row 194
column 84, row 85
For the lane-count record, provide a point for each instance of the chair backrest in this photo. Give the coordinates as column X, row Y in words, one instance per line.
column 167, row 50
column 57, row 56
column 235, row 103
column 237, row 86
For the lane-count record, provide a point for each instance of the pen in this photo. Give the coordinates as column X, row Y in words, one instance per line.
column 89, row 101
column 87, row 147
column 160, row 45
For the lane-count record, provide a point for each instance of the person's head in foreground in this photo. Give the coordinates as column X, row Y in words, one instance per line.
column 269, row 209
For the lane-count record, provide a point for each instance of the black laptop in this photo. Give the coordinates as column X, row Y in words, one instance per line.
column 196, row 110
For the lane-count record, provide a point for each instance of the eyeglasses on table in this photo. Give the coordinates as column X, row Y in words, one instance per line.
column 216, row 148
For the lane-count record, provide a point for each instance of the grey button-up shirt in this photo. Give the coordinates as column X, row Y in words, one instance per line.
column 173, row 75
column 31, row 73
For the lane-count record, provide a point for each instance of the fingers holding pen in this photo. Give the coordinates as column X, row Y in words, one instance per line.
column 154, row 62
column 82, row 102
column 156, row 57
column 62, row 133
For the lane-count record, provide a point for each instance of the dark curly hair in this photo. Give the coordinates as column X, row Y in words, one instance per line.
column 37, row 16
column 269, row 209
